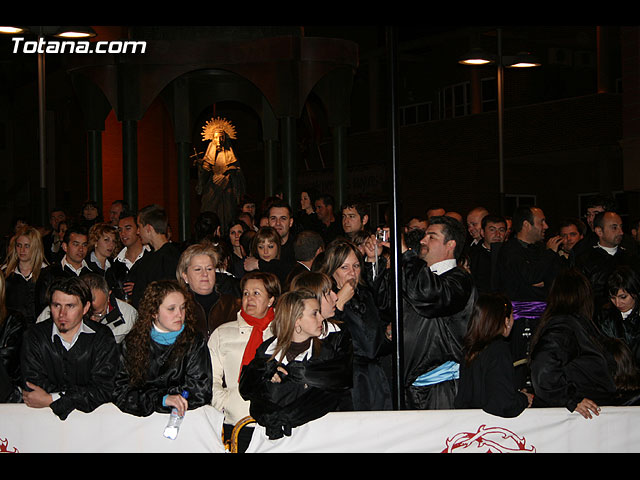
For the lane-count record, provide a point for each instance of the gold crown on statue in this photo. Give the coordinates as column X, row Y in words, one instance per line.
column 218, row 125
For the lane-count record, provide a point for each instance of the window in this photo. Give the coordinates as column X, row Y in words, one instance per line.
column 416, row 113
column 455, row 100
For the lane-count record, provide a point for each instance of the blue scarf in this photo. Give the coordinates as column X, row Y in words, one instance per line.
column 165, row 338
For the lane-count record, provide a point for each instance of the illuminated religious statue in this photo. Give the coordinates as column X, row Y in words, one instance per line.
column 220, row 179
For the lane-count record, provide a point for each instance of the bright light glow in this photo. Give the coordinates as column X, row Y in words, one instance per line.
column 524, row 65
column 475, row 61
column 73, row 34
column 11, row 30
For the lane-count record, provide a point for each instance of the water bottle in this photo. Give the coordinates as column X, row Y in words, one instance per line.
column 171, row 430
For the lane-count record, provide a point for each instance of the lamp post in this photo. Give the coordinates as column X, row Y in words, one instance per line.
column 42, row 32
column 521, row 60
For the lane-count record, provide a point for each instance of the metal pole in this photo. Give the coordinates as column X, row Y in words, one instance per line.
column 500, row 86
column 42, row 133
column 397, row 329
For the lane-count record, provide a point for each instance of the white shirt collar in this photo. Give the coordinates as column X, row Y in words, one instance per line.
column 83, row 329
column 122, row 258
column 609, row 250
column 76, row 271
column 443, row 266
column 94, row 258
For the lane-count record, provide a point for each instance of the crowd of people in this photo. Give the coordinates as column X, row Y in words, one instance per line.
column 286, row 313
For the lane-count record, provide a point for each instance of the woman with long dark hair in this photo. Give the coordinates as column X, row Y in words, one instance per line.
column 620, row 317
column 299, row 374
column 163, row 355
column 359, row 315
column 570, row 366
column 487, row 374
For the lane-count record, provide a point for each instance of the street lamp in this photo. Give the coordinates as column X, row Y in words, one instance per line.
column 522, row 60
column 41, row 32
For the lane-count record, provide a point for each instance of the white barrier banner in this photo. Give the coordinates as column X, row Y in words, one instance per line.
column 26, row 430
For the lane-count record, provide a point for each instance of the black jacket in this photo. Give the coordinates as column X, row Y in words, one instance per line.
column 192, row 372
column 568, row 364
column 522, row 265
column 609, row 320
column 312, row 387
column 436, row 313
column 597, row 265
column 159, row 264
column 361, row 318
column 47, row 277
column 85, row 373
column 488, row 382
column 11, row 332
column 20, row 296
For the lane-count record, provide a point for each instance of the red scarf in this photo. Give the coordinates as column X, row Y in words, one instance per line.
column 259, row 325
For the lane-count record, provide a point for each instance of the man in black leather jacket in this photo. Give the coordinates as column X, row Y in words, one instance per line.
column 68, row 362
column 438, row 299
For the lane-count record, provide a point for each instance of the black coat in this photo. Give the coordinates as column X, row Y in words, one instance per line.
column 47, row 277
column 522, row 265
column 20, row 296
column 11, row 332
column 597, row 265
column 435, row 317
column 84, row 373
column 609, row 320
column 159, row 264
column 192, row 372
column 312, row 387
column 361, row 318
column 568, row 364
column 488, row 382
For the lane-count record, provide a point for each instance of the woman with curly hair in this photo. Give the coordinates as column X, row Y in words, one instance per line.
column 103, row 246
column 163, row 355
column 25, row 260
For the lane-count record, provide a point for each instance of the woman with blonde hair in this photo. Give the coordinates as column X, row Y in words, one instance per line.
column 216, row 296
column 301, row 373
column 103, row 246
column 163, row 355
column 25, row 261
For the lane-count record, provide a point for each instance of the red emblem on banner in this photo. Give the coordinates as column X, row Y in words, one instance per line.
column 488, row 440
column 4, row 446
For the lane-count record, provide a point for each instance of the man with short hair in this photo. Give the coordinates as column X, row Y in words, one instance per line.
column 483, row 255
column 438, row 299
column 280, row 217
column 121, row 275
column 572, row 230
column 307, row 247
column 161, row 263
column 68, row 361
column 74, row 244
column 117, row 207
column 117, row 314
column 600, row 260
column 330, row 227
column 416, row 223
column 354, row 218
column 474, row 223
column 526, row 269
column 435, row 211
column 52, row 241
